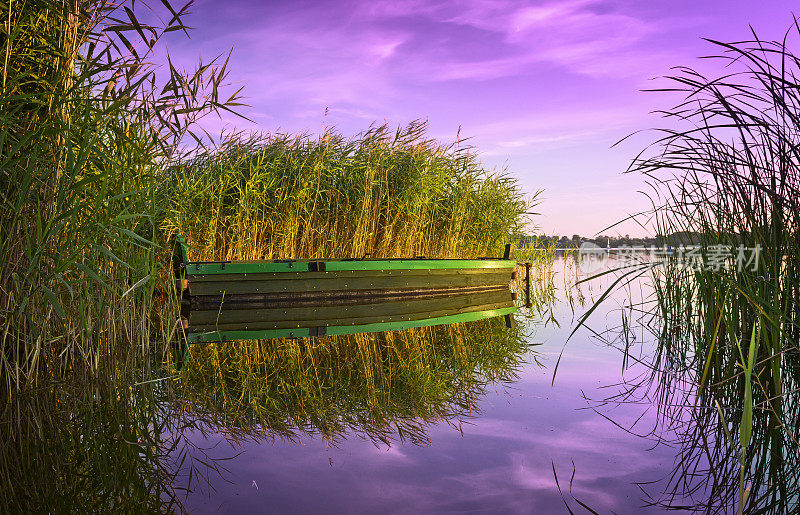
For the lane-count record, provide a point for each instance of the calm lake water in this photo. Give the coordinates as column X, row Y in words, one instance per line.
column 503, row 456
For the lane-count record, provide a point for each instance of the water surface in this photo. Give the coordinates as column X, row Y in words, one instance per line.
column 526, row 443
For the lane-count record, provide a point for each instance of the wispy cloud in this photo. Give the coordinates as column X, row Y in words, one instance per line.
column 558, row 129
column 584, row 36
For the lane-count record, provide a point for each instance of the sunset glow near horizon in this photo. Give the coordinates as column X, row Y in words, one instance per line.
column 542, row 89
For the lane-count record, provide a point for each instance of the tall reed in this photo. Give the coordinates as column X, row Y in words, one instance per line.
column 86, row 126
column 728, row 170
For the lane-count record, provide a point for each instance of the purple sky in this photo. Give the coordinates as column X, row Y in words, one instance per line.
column 542, row 88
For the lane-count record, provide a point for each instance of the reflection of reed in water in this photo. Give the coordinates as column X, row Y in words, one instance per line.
column 729, row 458
column 737, row 440
column 383, row 385
column 104, row 449
column 119, row 445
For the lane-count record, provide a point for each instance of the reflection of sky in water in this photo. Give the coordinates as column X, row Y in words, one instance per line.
column 500, row 461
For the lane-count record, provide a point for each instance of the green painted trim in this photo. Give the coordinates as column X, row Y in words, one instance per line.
column 399, row 326
column 254, row 267
column 217, row 336
column 419, row 264
column 244, row 267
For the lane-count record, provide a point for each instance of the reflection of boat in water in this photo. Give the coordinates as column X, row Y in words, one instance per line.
column 235, row 300
column 284, row 319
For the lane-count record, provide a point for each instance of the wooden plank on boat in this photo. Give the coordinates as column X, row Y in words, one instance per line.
column 340, row 298
column 291, row 276
column 335, row 282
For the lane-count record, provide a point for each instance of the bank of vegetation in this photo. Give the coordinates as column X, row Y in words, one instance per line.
column 95, row 179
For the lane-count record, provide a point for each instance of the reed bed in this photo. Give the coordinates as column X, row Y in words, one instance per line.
column 383, row 193
column 541, row 254
column 88, row 201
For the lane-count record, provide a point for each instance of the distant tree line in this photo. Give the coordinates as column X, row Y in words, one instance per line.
column 603, row 240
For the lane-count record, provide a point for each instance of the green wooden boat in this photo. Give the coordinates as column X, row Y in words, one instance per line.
column 247, row 284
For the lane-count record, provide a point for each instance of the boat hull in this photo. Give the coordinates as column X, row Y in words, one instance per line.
column 225, row 324
column 343, row 278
